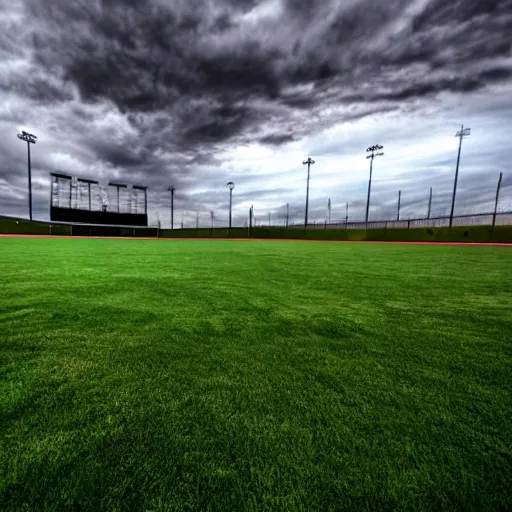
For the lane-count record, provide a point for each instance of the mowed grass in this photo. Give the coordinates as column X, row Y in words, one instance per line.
column 169, row 375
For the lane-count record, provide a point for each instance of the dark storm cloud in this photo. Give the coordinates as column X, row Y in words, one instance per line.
column 218, row 124
column 150, row 56
column 35, row 88
column 189, row 79
column 507, row 181
column 277, row 139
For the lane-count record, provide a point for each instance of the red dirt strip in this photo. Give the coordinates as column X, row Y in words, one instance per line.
column 256, row 240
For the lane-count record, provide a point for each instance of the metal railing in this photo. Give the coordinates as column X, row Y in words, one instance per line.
column 480, row 219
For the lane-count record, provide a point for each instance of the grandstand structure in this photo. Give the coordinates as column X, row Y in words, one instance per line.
column 80, row 200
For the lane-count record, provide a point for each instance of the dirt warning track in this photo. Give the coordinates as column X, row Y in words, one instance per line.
column 256, row 240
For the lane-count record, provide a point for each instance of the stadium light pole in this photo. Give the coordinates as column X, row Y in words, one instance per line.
column 373, row 150
column 309, row 162
column 399, row 197
column 171, row 190
column 497, row 200
column 463, row 132
column 429, row 204
column 287, row 214
column 231, row 186
column 29, row 138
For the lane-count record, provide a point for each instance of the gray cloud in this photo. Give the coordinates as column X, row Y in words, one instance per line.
column 155, row 91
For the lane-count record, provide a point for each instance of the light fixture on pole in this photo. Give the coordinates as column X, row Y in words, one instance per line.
column 309, row 162
column 231, row 186
column 373, row 150
column 463, row 132
column 29, row 138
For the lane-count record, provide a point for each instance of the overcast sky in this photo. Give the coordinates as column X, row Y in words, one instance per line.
column 195, row 93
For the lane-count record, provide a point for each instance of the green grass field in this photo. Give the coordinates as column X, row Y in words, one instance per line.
column 231, row 376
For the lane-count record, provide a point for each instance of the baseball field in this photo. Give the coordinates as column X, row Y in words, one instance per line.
column 161, row 375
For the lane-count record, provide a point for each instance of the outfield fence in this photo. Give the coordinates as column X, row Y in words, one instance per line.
column 480, row 219
column 392, row 231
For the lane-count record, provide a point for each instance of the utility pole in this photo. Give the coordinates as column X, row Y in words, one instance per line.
column 497, row 199
column 29, row 138
column 429, row 204
column 171, row 190
column 287, row 214
column 346, row 217
column 329, row 209
column 463, row 132
column 372, row 150
column 268, row 219
column 197, row 220
column 231, row 186
column 399, row 197
column 308, row 162
column 211, row 217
